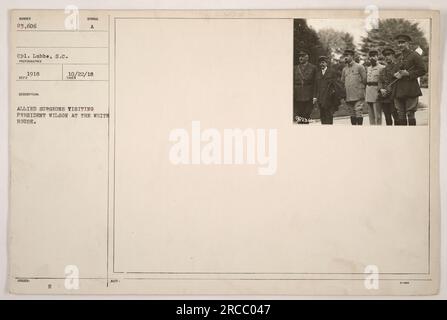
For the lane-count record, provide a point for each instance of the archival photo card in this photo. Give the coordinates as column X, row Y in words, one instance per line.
column 272, row 152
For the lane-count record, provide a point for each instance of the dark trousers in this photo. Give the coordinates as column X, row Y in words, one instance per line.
column 326, row 116
column 302, row 111
column 390, row 113
column 406, row 107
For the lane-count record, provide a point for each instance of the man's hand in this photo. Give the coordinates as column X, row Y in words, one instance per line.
column 314, row 100
column 398, row 75
column 383, row 92
column 404, row 73
column 342, row 101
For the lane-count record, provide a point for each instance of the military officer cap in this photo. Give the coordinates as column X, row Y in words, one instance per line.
column 387, row 51
column 302, row 52
column 404, row 37
column 322, row 58
column 373, row 52
column 348, row 52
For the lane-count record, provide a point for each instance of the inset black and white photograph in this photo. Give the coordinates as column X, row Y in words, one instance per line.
column 350, row 72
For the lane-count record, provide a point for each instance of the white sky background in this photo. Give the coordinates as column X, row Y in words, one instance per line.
column 356, row 27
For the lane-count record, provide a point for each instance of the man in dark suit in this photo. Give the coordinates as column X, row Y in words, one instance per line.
column 304, row 88
column 406, row 90
column 329, row 91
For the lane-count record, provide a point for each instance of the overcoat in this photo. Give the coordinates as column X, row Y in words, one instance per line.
column 386, row 78
column 329, row 89
column 354, row 78
column 408, row 87
column 304, row 84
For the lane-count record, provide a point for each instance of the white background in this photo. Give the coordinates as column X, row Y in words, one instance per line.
column 5, row 5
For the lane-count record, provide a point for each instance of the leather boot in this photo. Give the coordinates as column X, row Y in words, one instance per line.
column 411, row 122
column 395, row 117
column 401, row 122
column 360, row 121
column 353, row 121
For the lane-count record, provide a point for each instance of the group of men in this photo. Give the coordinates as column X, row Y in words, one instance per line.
column 392, row 88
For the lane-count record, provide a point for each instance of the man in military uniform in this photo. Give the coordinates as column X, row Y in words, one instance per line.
column 406, row 90
column 372, row 82
column 304, row 88
column 354, row 78
column 329, row 91
column 386, row 78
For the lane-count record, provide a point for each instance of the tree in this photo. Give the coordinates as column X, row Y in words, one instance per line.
column 384, row 36
column 305, row 38
column 335, row 42
column 387, row 30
